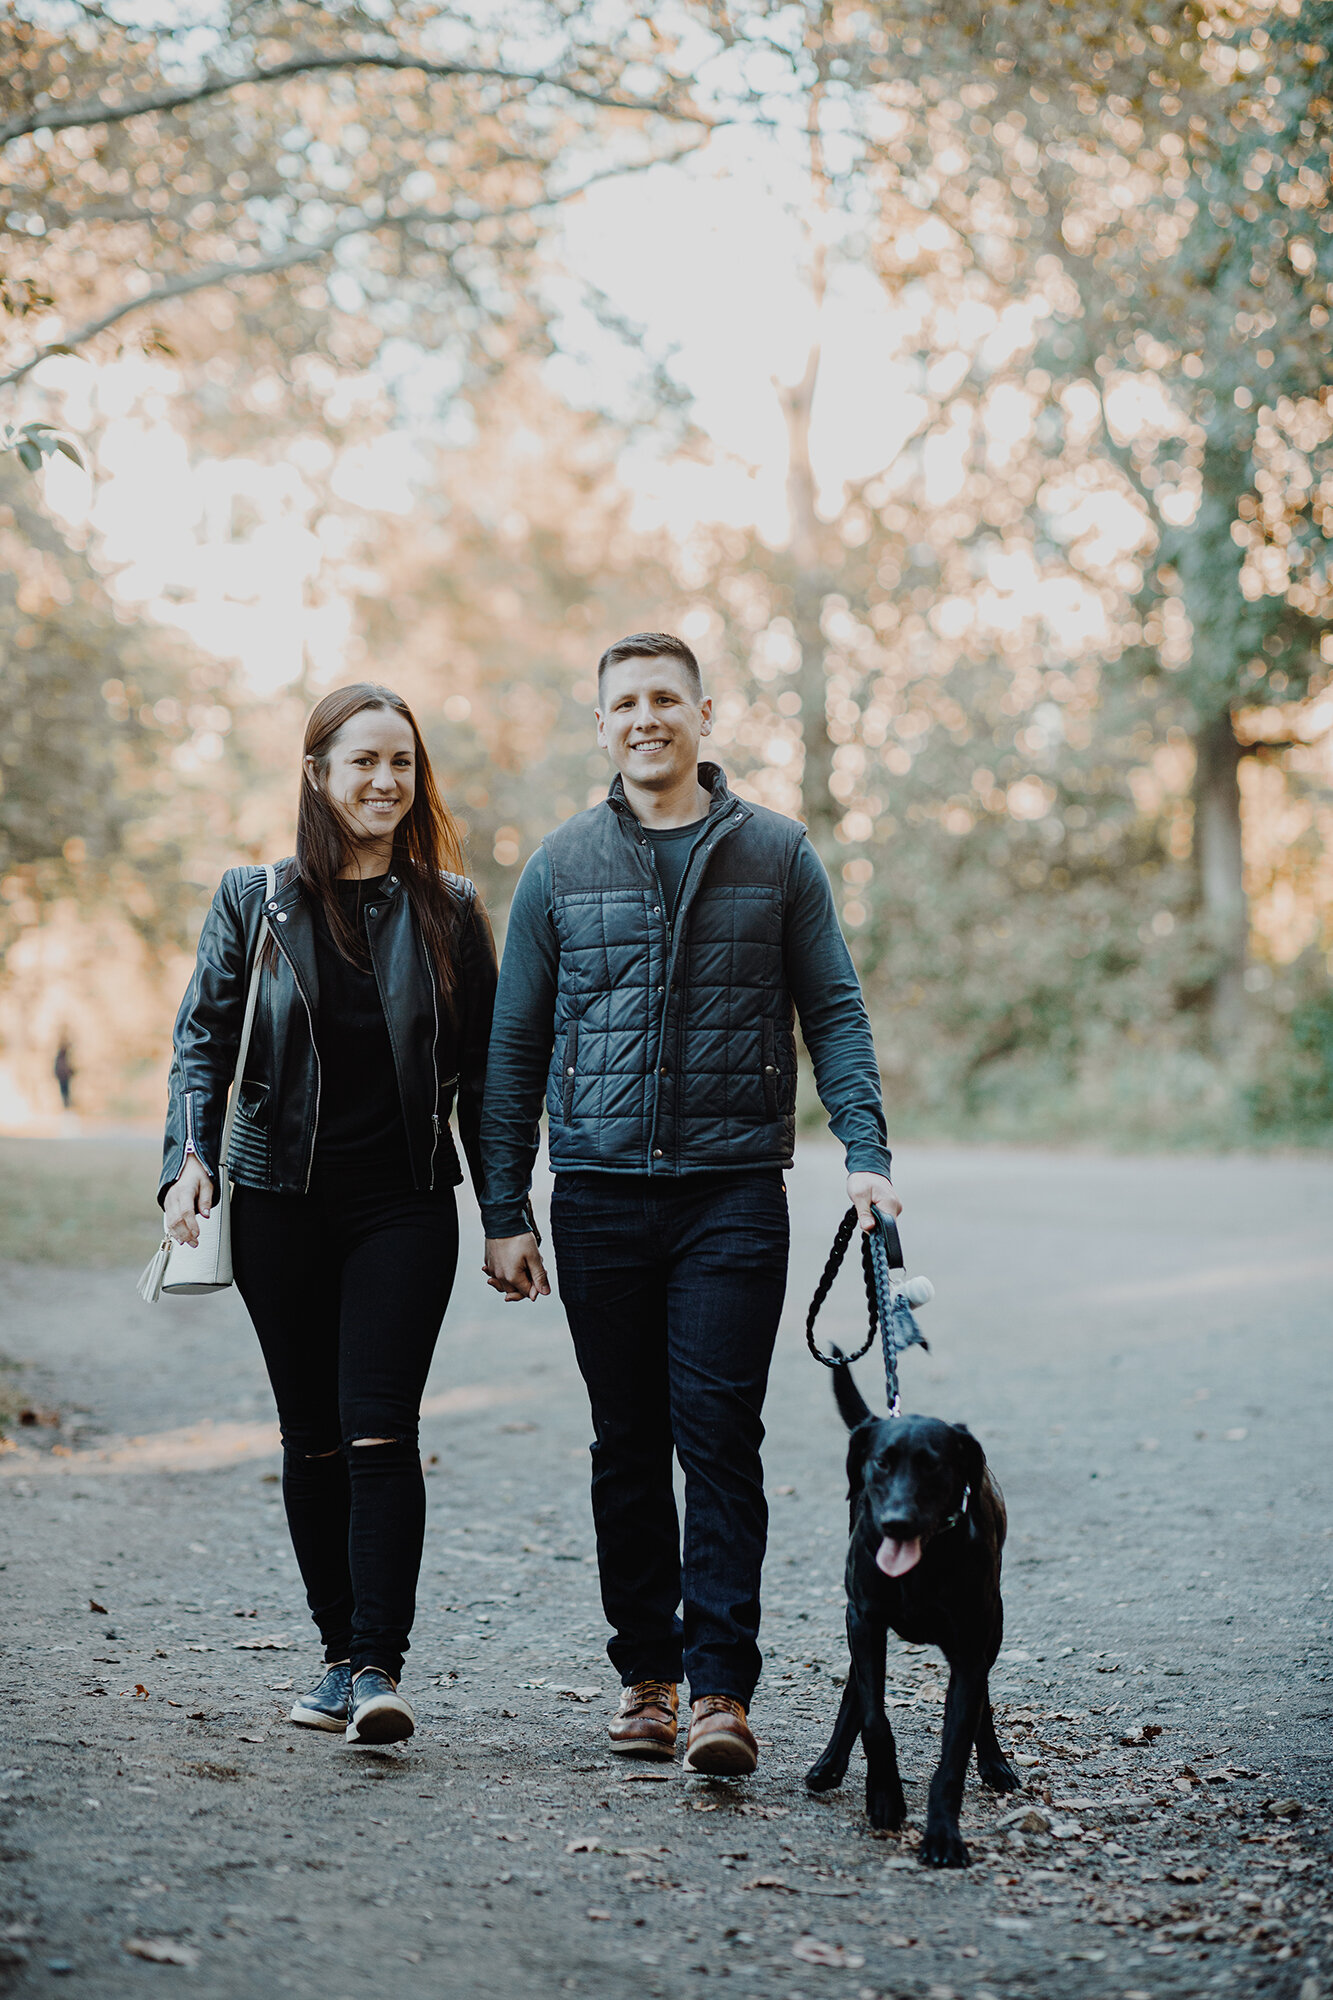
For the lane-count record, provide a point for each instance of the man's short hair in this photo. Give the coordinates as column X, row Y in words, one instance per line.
column 652, row 646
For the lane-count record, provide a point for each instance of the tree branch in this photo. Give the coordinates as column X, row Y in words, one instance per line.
column 95, row 112
column 308, row 253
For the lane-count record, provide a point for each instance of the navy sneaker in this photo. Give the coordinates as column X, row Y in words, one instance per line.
column 325, row 1707
column 379, row 1714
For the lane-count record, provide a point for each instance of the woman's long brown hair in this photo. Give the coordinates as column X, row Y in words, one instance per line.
column 426, row 840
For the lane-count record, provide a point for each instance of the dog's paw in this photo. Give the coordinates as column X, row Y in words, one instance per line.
column 824, row 1777
column 998, row 1776
column 886, row 1808
column 944, row 1847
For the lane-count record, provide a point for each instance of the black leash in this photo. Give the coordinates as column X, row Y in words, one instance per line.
column 890, row 1313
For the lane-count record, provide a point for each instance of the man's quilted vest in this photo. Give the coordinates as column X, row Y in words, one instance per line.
column 675, row 1049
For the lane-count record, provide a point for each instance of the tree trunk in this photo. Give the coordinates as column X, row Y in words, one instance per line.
column 810, row 585
column 1219, row 862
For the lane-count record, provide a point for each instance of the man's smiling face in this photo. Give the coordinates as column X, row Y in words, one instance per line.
column 651, row 720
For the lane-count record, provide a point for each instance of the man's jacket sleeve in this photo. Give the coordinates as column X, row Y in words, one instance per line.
column 834, row 1024
column 522, row 1039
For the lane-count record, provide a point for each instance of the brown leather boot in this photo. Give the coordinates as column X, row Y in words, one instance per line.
column 645, row 1724
column 720, row 1743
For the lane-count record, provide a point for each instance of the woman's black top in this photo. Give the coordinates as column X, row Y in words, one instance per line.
column 360, row 1133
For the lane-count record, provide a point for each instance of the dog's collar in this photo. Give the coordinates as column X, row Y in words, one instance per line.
column 954, row 1519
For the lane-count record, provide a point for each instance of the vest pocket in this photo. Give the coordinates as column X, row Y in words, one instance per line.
column 570, row 1067
column 769, row 1062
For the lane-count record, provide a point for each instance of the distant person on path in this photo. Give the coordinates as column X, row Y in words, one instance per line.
column 374, row 1008
column 63, row 1071
column 657, row 947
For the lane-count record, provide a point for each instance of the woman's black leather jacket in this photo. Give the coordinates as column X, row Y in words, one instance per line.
column 437, row 1052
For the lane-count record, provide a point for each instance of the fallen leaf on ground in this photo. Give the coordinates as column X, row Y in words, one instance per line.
column 101, row 1609
column 1142, row 1732
column 1187, row 1874
column 588, row 1845
column 251, row 1739
column 814, row 1951
column 599, row 1916
column 162, row 1951
column 584, row 1694
column 275, row 1644
column 766, row 1882
column 1283, row 1808
column 197, row 1715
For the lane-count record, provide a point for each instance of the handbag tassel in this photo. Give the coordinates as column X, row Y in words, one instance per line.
column 150, row 1281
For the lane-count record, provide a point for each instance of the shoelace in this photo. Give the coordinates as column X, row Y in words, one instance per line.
column 719, row 1704
column 649, row 1694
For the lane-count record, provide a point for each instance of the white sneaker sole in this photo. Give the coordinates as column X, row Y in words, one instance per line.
column 315, row 1718
column 385, row 1719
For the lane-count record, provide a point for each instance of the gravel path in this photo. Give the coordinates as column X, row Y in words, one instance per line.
column 1142, row 1348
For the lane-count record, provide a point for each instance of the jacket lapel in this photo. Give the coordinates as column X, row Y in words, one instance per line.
column 294, row 929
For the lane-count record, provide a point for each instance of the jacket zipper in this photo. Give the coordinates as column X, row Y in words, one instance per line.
column 435, row 1072
column 190, row 1146
column 706, row 842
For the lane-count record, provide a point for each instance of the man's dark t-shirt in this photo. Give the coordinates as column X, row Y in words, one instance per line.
column 671, row 851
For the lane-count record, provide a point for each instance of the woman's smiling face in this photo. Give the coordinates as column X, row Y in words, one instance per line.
column 370, row 777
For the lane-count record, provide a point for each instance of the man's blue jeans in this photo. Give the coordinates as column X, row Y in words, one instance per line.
column 673, row 1289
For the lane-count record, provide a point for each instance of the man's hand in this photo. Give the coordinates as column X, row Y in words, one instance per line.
column 869, row 1191
column 513, row 1265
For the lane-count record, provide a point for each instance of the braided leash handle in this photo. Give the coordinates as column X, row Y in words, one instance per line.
column 822, row 1289
column 889, row 1308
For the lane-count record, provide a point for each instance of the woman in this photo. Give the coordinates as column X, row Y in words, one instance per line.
column 377, row 979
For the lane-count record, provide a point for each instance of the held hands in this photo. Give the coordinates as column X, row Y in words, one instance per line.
column 187, row 1198
column 869, row 1191
column 513, row 1265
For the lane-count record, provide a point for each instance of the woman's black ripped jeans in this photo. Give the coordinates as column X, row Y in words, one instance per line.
column 347, row 1290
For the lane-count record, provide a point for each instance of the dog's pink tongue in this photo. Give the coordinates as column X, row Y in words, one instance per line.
column 896, row 1558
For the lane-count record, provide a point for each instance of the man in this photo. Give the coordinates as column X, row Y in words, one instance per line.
column 656, row 946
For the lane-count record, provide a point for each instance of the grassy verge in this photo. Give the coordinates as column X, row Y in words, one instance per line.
column 81, row 1202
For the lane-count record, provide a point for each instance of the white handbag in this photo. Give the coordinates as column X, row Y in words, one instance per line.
column 206, row 1266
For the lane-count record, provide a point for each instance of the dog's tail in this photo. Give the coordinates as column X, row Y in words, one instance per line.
column 852, row 1405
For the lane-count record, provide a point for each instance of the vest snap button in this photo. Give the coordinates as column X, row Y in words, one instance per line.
column 657, row 1152
column 657, row 909
column 371, row 911
column 570, row 1070
column 282, row 916
column 664, row 1071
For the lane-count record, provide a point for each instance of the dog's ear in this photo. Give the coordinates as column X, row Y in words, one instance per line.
column 971, row 1457
column 859, row 1446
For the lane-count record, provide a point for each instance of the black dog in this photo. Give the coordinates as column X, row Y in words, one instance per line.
column 927, row 1529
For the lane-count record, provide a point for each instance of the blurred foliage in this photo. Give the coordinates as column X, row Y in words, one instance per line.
column 315, row 180
column 1072, row 785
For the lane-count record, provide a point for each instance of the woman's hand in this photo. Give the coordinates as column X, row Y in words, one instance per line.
column 187, row 1199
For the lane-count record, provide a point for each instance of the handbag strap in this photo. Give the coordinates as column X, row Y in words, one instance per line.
column 270, row 883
